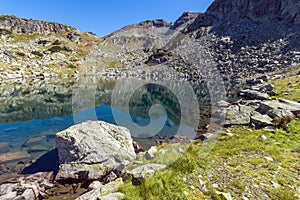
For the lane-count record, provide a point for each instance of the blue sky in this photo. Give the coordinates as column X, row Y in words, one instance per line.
column 101, row 16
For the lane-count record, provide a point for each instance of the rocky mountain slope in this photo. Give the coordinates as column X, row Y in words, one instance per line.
column 31, row 48
column 243, row 38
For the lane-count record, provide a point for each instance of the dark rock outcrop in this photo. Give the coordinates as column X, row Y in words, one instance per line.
column 185, row 18
column 19, row 25
column 222, row 14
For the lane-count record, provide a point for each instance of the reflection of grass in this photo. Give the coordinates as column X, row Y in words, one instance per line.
column 238, row 164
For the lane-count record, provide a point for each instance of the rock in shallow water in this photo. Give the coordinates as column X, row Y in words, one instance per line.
column 91, row 149
column 14, row 156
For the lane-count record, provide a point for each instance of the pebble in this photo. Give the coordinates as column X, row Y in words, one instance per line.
column 264, row 137
column 269, row 159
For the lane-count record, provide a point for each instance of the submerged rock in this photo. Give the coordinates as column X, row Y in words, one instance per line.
column 92, row 149
column 14, row 156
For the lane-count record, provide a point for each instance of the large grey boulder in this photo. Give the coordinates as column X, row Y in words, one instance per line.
column 254, row 95
column 238, row 115
column 283, row 104
column 92, row 149
column 280, row 113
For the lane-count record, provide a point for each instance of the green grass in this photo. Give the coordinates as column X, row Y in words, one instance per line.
column 20, row 53
column 237, row 164
column 5, row 32
column 288, row 87
column 37, row 53
column 56, row 48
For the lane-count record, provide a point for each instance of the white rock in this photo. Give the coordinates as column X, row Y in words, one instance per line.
column 90, row 149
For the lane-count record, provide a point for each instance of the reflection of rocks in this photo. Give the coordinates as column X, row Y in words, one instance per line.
column 35, row 99
column 91, row 149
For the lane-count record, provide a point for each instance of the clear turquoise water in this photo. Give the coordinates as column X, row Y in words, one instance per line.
column 43, row 108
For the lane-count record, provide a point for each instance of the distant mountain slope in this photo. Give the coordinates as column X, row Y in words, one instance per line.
column 19, row 25
column 243, row 37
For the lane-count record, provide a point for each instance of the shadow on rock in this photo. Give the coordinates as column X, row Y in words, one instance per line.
column 48, row 162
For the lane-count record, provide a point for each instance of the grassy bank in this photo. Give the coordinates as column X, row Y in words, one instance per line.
column 244, row 162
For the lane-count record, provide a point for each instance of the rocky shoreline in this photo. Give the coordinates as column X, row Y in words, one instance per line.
column 94, row 165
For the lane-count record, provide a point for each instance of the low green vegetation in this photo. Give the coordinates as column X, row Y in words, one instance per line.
column 20, row 53
column 37, row 53
column 244, row 162
column 56, row 42
column 5, row 32
column 289, row 86
column 71, row 66
column 55, row 49
column 43, row 42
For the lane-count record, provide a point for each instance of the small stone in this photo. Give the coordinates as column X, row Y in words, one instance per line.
column 150, row 154
column 215, row 185
column 201, row 182
column 223, row 104
column 245, row 198
column 162, row 151
column 95, row 185
column 181, row 150
column 223, row 195
column 275, row 185
column 228, row 134
column 192, row 187
column 264, row 137
column 269, row 159
column 28, row 194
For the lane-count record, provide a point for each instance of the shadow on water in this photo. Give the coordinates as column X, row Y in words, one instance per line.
column 48, row 162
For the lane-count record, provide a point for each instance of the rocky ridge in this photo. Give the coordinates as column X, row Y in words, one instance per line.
column 18, row 25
